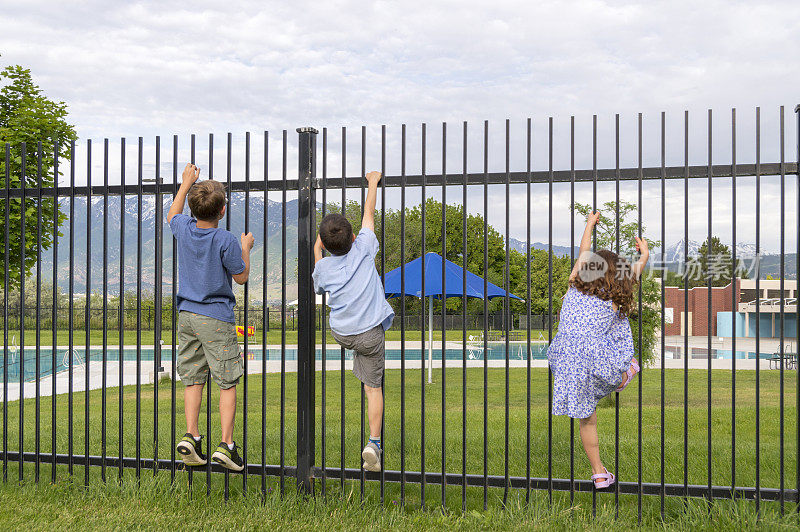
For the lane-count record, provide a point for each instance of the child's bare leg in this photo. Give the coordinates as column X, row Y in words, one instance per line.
column 591, row 444
column 227, row 411
column 374, row 410
column 192, row 398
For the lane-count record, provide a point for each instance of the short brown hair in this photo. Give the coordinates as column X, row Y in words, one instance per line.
column 206, row 200
column 616, row 285
column 336, row 234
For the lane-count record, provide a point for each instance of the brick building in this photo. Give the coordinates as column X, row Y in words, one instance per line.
column 725, row 310
column 697, row 318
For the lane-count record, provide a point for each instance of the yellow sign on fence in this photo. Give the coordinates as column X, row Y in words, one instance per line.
column 251, row 331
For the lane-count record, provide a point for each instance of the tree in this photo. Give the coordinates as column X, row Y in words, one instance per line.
column 454, row 218
column 540, row 280
column 454, row 241
column 607, row 227
column 27, row 117
column 606, row 237
column 718, row 265
column 698, row 268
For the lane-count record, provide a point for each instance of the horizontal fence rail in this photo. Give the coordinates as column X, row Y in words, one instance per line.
column 495, row 481
column 467, row 390
column 492, row 178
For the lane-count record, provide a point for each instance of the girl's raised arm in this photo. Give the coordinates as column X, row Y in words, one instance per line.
column 586, row 243
column 644, row 250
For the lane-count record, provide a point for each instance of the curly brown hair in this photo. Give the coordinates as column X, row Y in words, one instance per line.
column 617, row 285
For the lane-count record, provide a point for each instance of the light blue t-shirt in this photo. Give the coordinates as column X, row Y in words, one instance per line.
column 207, row 257
column 355, row 293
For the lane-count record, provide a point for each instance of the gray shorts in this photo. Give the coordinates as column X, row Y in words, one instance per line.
column 368, row 359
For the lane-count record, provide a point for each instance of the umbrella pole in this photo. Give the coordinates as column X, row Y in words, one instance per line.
column 430, row 340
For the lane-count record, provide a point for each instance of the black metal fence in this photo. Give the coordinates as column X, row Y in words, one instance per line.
column 433, row 436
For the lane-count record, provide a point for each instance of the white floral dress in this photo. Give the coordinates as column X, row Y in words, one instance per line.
column 589, row 354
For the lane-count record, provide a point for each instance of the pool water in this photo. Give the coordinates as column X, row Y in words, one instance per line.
column 495, row 351
column 676, row 353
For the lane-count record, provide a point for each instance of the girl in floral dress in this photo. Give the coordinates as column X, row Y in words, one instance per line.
column 592, row 354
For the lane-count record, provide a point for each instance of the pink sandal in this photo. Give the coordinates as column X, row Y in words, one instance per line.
column 632, row 371
column 607, row 480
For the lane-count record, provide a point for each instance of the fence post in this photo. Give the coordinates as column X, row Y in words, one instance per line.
column 306, row 333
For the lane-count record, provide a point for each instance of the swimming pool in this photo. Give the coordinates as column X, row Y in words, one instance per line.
column 495, row 351
column 701, row 353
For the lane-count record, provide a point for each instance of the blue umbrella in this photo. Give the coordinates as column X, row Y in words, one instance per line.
column 453, row 287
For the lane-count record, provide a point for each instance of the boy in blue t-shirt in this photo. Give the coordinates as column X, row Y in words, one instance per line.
column 209, row 258
column 360, row 314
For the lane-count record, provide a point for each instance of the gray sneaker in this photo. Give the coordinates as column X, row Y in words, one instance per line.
column 372, row 457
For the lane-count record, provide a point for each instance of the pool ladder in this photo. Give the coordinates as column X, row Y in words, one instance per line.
column 13, row 352
column 65, row 360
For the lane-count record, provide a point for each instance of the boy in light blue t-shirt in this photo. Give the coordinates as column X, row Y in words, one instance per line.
column 360, row 314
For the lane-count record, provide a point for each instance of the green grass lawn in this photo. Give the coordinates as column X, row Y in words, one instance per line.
column 156, row 504
column 516, row 454
column 273, row 336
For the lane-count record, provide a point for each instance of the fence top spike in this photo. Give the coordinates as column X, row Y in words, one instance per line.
column 307, row 130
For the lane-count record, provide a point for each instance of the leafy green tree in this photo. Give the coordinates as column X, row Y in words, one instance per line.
column 454, row 218
column 672, row 278
column 607, row 227
column 606, row 230
column 540, row 280
column 28, row 117
column 454, row 243
column 718, row 264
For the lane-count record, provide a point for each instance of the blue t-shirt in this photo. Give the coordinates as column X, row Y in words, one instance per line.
column 355, row 293
column 207, row 257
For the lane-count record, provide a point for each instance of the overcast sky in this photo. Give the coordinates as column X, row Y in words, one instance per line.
column 130, row 69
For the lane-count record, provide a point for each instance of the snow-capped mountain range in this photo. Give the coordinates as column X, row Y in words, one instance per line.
column 258, row 209
column 519, row 245
column 675, row 252
column 769, row 263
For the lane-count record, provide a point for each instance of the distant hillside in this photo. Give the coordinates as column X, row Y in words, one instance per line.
column 770, row 264
column 675, row 251
column 559, row 251
column 236, row 208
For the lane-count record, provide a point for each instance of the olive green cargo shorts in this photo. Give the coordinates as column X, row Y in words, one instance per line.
column 208, row 345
